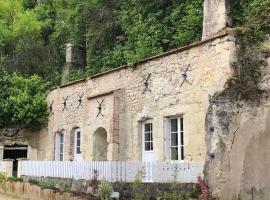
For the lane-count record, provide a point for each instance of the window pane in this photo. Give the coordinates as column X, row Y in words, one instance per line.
column 78, row 142
column 151, row 146
column 61, row 138
column 147, row 127
column 78, row 135
column 61, row 157
column 182, row 124
column 174, row 153
column 174, row 125
column 174, row 139
column 147, row 137
column 78, row 151
column 61, row 148
column 182, row 138
column 147, row 146
column 182, row 153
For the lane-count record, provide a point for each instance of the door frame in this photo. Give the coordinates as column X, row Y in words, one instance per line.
column 77, row 156
column 143, row 139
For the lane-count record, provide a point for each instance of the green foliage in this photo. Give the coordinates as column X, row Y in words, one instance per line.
column 23, row 101
column 252, row 19
column 65, row 187
column 252, row 22
column 172, row 195
column 14, row 179
column 33, row 35
column 138, row 29
column 3, row 180
column 104, row 190
column 47, row 185
column 34, row 182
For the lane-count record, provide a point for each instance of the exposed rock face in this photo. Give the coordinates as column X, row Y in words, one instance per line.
column 238, row 143
column 11, row 136
column 216, row 17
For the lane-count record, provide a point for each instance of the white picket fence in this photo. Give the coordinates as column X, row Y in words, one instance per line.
column 2, row 166
column 114, row 170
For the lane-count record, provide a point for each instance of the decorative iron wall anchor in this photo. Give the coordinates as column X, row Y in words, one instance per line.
column 65, row 103
column 80, row 100
column 51, row 108
column 100, row 107
column 146, row 83
column 184, row 75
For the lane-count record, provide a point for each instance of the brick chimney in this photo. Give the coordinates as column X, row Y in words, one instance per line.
column 216, row 17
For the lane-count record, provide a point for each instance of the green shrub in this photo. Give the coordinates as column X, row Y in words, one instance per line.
column 104, row 190
column 47, row 185
column 34, row 182
column 3, row 180
column 65, row 187
column 14, row 179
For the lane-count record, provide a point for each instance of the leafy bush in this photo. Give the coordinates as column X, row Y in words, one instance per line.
column 3, row 180
column 47, row 185
column 104, row 190
column 34, row 182
column 14, row 179
column 23, row 101
column 65, row 187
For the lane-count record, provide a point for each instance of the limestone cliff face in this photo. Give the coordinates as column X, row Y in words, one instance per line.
column 238, row 143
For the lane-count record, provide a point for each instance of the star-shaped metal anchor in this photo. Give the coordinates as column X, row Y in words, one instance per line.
column 80, row 100
column 100, row 108
column 146, row 83
column 51, row 108
column 65, row 103
column 185, row 75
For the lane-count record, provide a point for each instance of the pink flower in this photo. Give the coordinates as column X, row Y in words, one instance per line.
column 204, row 194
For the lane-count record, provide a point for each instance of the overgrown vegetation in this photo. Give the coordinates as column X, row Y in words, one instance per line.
column 3, row 180
column 104, row 190
column 14, row 179
column 22, row 100
column 252, row 22
column 33, row 35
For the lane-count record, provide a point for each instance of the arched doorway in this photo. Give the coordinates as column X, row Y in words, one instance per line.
column 100, row 144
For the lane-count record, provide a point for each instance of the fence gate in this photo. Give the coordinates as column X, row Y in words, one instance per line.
column 14, row 152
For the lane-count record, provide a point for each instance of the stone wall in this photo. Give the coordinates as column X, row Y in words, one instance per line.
column 238, row 143
column 125, row 106
column 17, row 136
column 128, row 190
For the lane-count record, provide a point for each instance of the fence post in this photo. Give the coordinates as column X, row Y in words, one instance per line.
column 20, row 161
column 8, row 165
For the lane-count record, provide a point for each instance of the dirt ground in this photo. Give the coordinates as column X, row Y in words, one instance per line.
column 9, row 197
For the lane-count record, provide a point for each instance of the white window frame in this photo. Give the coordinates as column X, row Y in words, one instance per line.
column 58, row 146
column 76, row 141
column 180, row 136
column 151, row 134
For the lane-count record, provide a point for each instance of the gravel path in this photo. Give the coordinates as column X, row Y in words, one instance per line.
column 8, row 197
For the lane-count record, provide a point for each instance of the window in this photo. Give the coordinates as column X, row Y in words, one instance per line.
column 77, row 141
column 176, row 133
column 148, row 136
column 59, row 146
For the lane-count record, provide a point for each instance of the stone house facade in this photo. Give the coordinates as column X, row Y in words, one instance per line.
column 154, row 111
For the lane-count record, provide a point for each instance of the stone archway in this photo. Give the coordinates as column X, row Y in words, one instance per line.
column 100, row 144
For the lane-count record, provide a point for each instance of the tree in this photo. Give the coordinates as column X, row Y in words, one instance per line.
column 22, row 101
